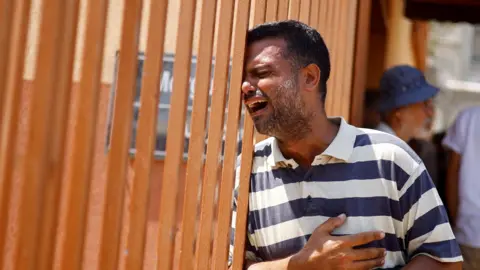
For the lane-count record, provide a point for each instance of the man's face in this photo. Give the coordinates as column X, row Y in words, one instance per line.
column 418, row 117
column 270, row 90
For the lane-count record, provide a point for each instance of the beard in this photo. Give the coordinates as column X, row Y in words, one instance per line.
column 289, row 118
column 424, row 130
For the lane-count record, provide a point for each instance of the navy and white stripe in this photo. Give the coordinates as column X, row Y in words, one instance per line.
column 372, row 177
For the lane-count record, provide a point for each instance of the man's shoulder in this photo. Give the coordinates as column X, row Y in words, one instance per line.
column 384, row 145
column 262, row 149
column 472, row 110
column 467, row 115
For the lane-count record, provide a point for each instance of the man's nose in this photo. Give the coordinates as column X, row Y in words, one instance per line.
column 247, row 88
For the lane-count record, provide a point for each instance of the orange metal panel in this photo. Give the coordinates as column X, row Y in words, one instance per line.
column 322, row 16
column 259, row 18
column 331, row 22
column 242, row 201
column 222, row 230
column 259, row 12
column 359, row 82
column 344, row 71
column 120, row 139
column 338, row 49
column 175, row 136
column 294, row 9
column 6, row 13
column 197, row 146
column 282, row 13
column 80, row 163
column 146, row 130
column 247, row 149
column 271, row 11
column 314, row 8
column 348, row 56
column 9, row 130
column 37, row 164
column 305, row 6
column 215, row 133
column 56, row 151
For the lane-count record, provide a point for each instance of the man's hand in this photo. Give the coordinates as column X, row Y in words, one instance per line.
column 324, row 251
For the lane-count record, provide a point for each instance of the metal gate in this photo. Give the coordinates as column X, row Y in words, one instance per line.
column 83, row 161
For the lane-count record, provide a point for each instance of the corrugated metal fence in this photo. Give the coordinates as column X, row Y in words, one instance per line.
column 198, row 239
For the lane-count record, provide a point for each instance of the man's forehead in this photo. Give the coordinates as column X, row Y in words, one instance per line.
column 265, row 50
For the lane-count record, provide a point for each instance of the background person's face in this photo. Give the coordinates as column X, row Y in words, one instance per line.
column 418, row 117
column 270, row 91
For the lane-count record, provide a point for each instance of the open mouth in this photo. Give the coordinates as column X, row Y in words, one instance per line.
column 257, row 106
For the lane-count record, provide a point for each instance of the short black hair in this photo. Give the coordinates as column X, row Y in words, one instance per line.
column 304, row 45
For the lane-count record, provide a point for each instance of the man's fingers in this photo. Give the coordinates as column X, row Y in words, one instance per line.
column 361, row 238
column 368, row 264
column 367, row 254
column 331, row 224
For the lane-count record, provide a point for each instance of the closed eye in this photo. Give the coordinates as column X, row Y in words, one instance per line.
column 262, row 74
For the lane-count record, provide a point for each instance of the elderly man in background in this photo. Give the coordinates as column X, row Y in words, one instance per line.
column 406, row 110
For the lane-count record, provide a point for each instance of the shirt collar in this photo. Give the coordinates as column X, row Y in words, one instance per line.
column 340, row 148
column 342, row 145
column 385, row 128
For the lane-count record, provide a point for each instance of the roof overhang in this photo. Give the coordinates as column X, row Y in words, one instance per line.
column 444, row 10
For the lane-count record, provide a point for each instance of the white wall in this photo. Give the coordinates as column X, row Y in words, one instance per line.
column 450, row 54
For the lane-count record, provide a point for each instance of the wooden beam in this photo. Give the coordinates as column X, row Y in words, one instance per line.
column 222, row 231
column 175, row 135
column 348, row 59
column 58, row 135
column 305, row 6
column 243, row 195
column 215, row 134
column 420, row 44
column 360, row 70
column 83, row 137
column 294, row 10
column 10, row 110
column 6, row 12
column 121, row 134
column 42, row 166
column 147, row 124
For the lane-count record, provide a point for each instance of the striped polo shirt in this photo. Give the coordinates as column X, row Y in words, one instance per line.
column 371, row 176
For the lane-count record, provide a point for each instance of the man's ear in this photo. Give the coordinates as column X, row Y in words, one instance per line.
column 311, row 77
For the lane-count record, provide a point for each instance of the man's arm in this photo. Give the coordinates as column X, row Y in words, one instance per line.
column 429, row 237
column 452, row 185
column 454, row 141
column 423, row 262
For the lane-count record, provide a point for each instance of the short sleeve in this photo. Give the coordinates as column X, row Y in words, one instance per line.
column 455, row 137
column 425, row 221
column 250, row 250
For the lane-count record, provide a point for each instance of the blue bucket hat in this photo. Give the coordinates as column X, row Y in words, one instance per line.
column 403, row 85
